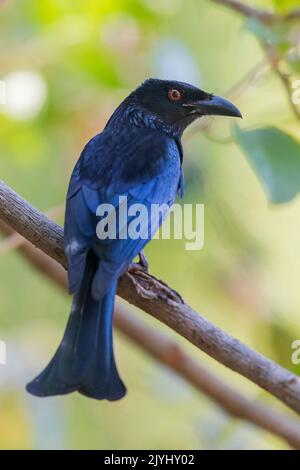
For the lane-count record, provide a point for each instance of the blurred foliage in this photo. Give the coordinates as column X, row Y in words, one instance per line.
column 84, row 58
column 285, row 5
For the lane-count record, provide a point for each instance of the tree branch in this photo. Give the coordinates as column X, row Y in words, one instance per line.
column 264, row 16
column 160, row 301
column 268, row 19
column 274, row 60
column 168, row 352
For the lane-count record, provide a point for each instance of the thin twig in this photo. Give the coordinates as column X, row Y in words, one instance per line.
column 266, row 17
column 250, row 78
column 274, row 59
column 168, row 352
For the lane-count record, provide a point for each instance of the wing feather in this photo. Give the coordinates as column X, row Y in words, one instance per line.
column 93, row 184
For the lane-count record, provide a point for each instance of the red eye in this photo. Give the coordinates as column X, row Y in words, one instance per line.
column 174, row 95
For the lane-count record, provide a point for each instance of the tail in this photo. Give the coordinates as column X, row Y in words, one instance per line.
column 84, row 360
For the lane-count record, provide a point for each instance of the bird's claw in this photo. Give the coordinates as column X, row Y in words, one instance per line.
column 143, row 261
column 141, row 264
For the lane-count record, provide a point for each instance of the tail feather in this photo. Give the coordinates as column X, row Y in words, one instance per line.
column 84, row 360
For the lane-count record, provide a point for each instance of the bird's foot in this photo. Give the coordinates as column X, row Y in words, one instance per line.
column 141, row 264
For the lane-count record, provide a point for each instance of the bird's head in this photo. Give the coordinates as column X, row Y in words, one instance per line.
column 178, row 103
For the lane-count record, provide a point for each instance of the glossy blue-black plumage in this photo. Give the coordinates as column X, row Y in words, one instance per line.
column 137, row 156
column 142, row 163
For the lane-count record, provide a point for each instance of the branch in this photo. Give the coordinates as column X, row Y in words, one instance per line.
column 169, row 352
column 160, row 301
column 251, row 77
column 266, row 17
column 274, row 60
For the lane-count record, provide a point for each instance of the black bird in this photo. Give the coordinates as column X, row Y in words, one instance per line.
column 139, row 156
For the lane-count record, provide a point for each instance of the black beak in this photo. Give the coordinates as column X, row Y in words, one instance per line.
column 216, row 106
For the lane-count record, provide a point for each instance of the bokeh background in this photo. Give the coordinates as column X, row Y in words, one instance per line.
column 66, row 66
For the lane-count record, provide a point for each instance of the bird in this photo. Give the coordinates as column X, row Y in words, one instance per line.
column 138, row 156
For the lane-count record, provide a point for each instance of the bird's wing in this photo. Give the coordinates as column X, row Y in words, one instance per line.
column 145, row 169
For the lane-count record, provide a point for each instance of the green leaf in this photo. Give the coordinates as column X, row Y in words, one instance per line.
column 275, row 157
